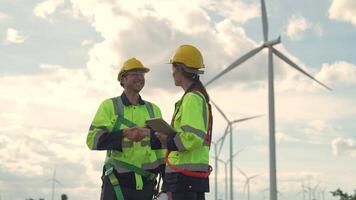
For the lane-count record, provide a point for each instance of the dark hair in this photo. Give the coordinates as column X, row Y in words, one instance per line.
column 198, row 85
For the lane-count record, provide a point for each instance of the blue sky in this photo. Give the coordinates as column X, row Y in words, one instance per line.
column 59, row 59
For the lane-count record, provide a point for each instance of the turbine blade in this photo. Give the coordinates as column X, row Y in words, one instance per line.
column 291, row 63
column 246, row 182
column 243, row 173
column 237, row 153
column 252, row 177
column 264, row 21
column 236, row 63
column 223, row 138
column 220, row 111
column 245, row 119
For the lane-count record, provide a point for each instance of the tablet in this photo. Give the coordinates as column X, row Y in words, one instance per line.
column 158, row 124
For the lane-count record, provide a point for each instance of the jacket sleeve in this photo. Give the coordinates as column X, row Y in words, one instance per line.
column 100, row 135
column 192, row 130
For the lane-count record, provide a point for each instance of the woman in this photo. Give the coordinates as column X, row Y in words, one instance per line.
column 187, row 158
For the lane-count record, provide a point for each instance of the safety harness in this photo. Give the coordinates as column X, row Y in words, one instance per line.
column 111, row 164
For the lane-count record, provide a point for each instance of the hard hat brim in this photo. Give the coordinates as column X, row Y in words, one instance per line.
column 144, row 69
column 193, row 71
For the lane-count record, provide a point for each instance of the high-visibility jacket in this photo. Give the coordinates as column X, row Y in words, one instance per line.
column 189, row 144
column 103, row 135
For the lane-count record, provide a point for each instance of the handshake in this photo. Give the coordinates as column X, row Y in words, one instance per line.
column 136, row 134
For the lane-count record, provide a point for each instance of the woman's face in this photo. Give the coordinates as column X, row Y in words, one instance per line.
column 177, row 75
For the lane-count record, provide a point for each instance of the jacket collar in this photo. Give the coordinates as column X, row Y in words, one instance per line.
column 126, row 101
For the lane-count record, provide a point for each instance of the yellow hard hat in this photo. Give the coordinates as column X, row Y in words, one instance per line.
column 189, row 55
column 131, row 64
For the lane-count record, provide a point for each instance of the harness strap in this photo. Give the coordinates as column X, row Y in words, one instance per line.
column 114, row 181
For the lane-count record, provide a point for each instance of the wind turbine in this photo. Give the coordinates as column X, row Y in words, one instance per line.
column 247, row 182
column 54, row 181
column 226, row 163
column 322, row 190
column 304, row 190
column 271, row 111
column 216, row 165
column 228, row 130
column 314, row 190
column 309, row 191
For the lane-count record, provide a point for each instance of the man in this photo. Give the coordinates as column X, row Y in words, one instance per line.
column 134, row 157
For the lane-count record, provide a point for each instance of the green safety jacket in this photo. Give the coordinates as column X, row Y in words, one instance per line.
column 106, row 133
column 191, row 125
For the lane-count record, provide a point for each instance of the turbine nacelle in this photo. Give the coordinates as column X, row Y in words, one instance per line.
column 272, row 42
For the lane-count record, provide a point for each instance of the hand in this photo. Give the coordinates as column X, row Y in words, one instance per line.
column 133, row 134
column 162, row 137
column 144, row 131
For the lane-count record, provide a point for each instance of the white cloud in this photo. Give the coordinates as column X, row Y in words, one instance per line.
column 235, row 10
column 343, row 146
column 298, row 176
column 46, row 8
column 340, row 72
column 282, row 137
column 87, row 42
column 296, row 26
column 15, row 36
column 343, row 10
column 3, row 17
column 318, row 127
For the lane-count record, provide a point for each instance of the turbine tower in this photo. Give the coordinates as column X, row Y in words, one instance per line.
column 271, row 110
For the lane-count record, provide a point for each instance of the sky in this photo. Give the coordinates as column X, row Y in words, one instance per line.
column 60, row 58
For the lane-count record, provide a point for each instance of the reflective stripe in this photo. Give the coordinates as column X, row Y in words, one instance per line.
column 118, row 105
column 178, row 142
column 122, row 170
column 92, row 127
column 97, row 137
column 203, row 108
column 197, row 132
column 145, row 143
column 191, row 167
column 149, row 109
column 153, row 165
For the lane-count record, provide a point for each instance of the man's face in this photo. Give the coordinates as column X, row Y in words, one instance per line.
column 134, row 80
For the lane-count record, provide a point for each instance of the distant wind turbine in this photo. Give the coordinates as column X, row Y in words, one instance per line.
column 322, row 190
column 54, row 181
column 271, row 50
column 216, row 157
column 228, row 130
column 247, row 182
column 226, row 163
